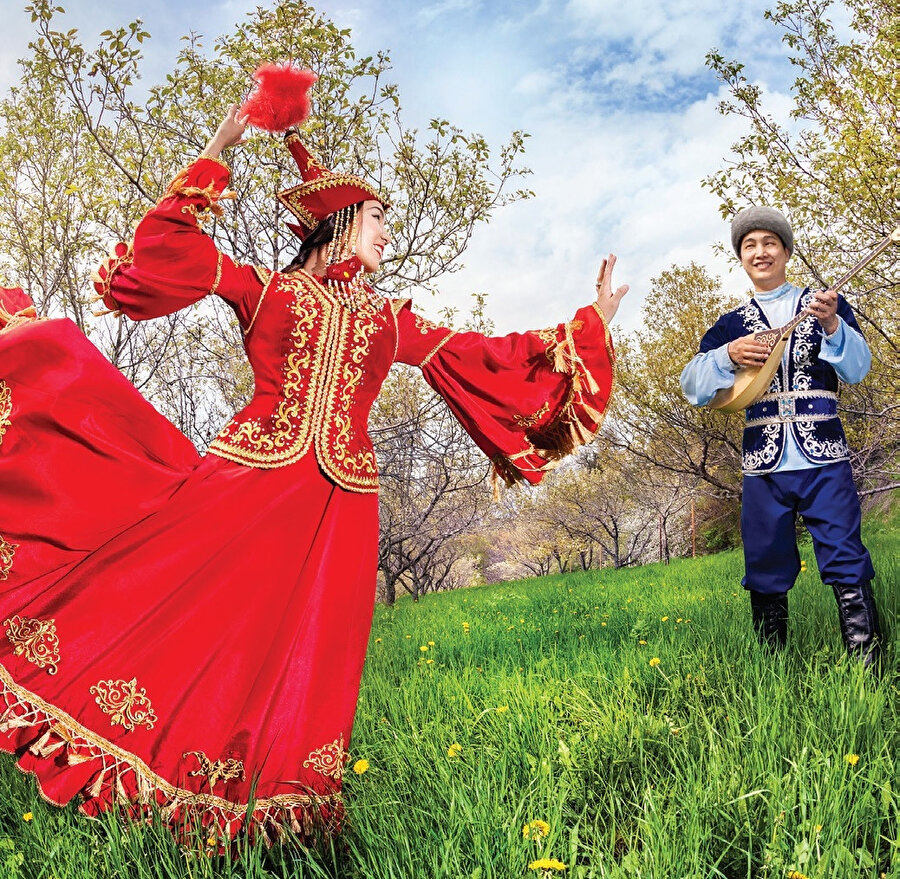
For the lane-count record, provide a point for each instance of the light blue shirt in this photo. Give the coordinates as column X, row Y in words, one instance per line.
column 845, row 349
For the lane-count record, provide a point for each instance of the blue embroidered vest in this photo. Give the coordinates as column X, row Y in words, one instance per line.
column 802, row 397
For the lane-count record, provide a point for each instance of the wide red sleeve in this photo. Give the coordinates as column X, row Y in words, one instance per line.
column 172, row 263
column 526, row 399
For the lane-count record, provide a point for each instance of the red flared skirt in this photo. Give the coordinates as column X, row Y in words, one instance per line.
column 180, row 634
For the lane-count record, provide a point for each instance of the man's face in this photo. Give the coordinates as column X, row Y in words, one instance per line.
column 764, row 259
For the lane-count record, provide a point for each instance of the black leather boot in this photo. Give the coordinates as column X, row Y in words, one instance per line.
column 770, row 616
column 859, row 622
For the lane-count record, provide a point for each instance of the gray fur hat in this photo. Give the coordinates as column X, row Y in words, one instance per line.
column 767, row 219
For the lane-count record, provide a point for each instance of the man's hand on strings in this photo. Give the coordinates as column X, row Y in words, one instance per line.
column 748, row 351
column 823, row 307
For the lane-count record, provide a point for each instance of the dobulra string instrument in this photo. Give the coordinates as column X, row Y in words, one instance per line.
column 752, row 382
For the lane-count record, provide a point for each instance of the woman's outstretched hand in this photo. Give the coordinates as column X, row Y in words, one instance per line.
column 607, row 301
column 229, row 133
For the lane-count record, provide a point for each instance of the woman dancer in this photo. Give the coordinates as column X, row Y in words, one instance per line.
column 186, row 633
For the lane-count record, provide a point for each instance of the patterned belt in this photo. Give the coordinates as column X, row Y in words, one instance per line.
column 793, row 406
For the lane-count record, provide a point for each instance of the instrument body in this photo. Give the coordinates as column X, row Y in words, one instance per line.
column 751, row 382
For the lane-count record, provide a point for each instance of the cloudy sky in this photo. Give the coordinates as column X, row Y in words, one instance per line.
column 616, row 96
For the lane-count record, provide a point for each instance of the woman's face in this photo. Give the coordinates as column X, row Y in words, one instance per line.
column 373, row 235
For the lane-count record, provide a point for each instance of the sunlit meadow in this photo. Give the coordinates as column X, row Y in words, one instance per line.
column 600, row 724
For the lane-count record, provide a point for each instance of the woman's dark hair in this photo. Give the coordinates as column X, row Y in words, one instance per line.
column 322, row 234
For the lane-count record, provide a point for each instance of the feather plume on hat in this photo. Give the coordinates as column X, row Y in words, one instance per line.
column 279, row 102
column 281, row 97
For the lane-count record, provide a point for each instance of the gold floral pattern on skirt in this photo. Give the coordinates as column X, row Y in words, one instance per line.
column 216, row 770
column 125, row 703
column 5, row 408
column 329, row 759
column 35, row 640
column 527, row 421
column 7, row 552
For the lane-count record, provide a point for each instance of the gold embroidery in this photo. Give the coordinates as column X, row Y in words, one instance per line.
column 218, row 276
column 329, row 759
column 424, row 325
column 265, row 277
column 264, row 274
column 128, row 706
column 7, row 552
column 352, row 372
column 180, row 188
column 293, row 198
column 216, row 770
column 547, row 336
column 321, row 375
column 531, row 420
column 117, row 258
column 437, row 347
column 20, row 708
column 35, row 640
column 20, row 318
column 397, row 305
column 5, row 408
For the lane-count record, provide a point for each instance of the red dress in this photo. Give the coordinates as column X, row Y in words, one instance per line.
column 186, row 633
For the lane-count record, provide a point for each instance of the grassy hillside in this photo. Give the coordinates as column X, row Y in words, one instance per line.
column 631, row 711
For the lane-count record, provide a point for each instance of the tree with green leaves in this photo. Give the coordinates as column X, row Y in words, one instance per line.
column 832, row 168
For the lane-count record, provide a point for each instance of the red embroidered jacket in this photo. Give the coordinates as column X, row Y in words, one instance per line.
column 526, row 398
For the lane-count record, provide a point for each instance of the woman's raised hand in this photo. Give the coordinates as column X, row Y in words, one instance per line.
column 229, row 133
column 607, row 301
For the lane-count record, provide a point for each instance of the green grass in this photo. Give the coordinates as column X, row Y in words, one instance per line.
column 720, row 761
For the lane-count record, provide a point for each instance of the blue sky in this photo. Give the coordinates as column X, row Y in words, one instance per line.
column 616, row 96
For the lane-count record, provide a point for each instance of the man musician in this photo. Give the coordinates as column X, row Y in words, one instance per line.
column 795, row 457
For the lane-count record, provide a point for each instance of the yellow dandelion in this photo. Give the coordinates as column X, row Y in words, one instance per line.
column 602, row 624
column 642, row 642
column 431, row 643
column 678, row 620
column 429, row 662
column 546, row 864
column 818, row 828
column 408, row 637
column 454, row 750
column 360, row 766
column 654, row 662
column 852, row 759
column 502, row 709
column 536, row 830
column 796, row 874
column 28, row 816
column 423, row 648
column 664, row 619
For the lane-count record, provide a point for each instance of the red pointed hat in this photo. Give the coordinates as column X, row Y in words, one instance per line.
column 322, row 192
column 279, row 100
